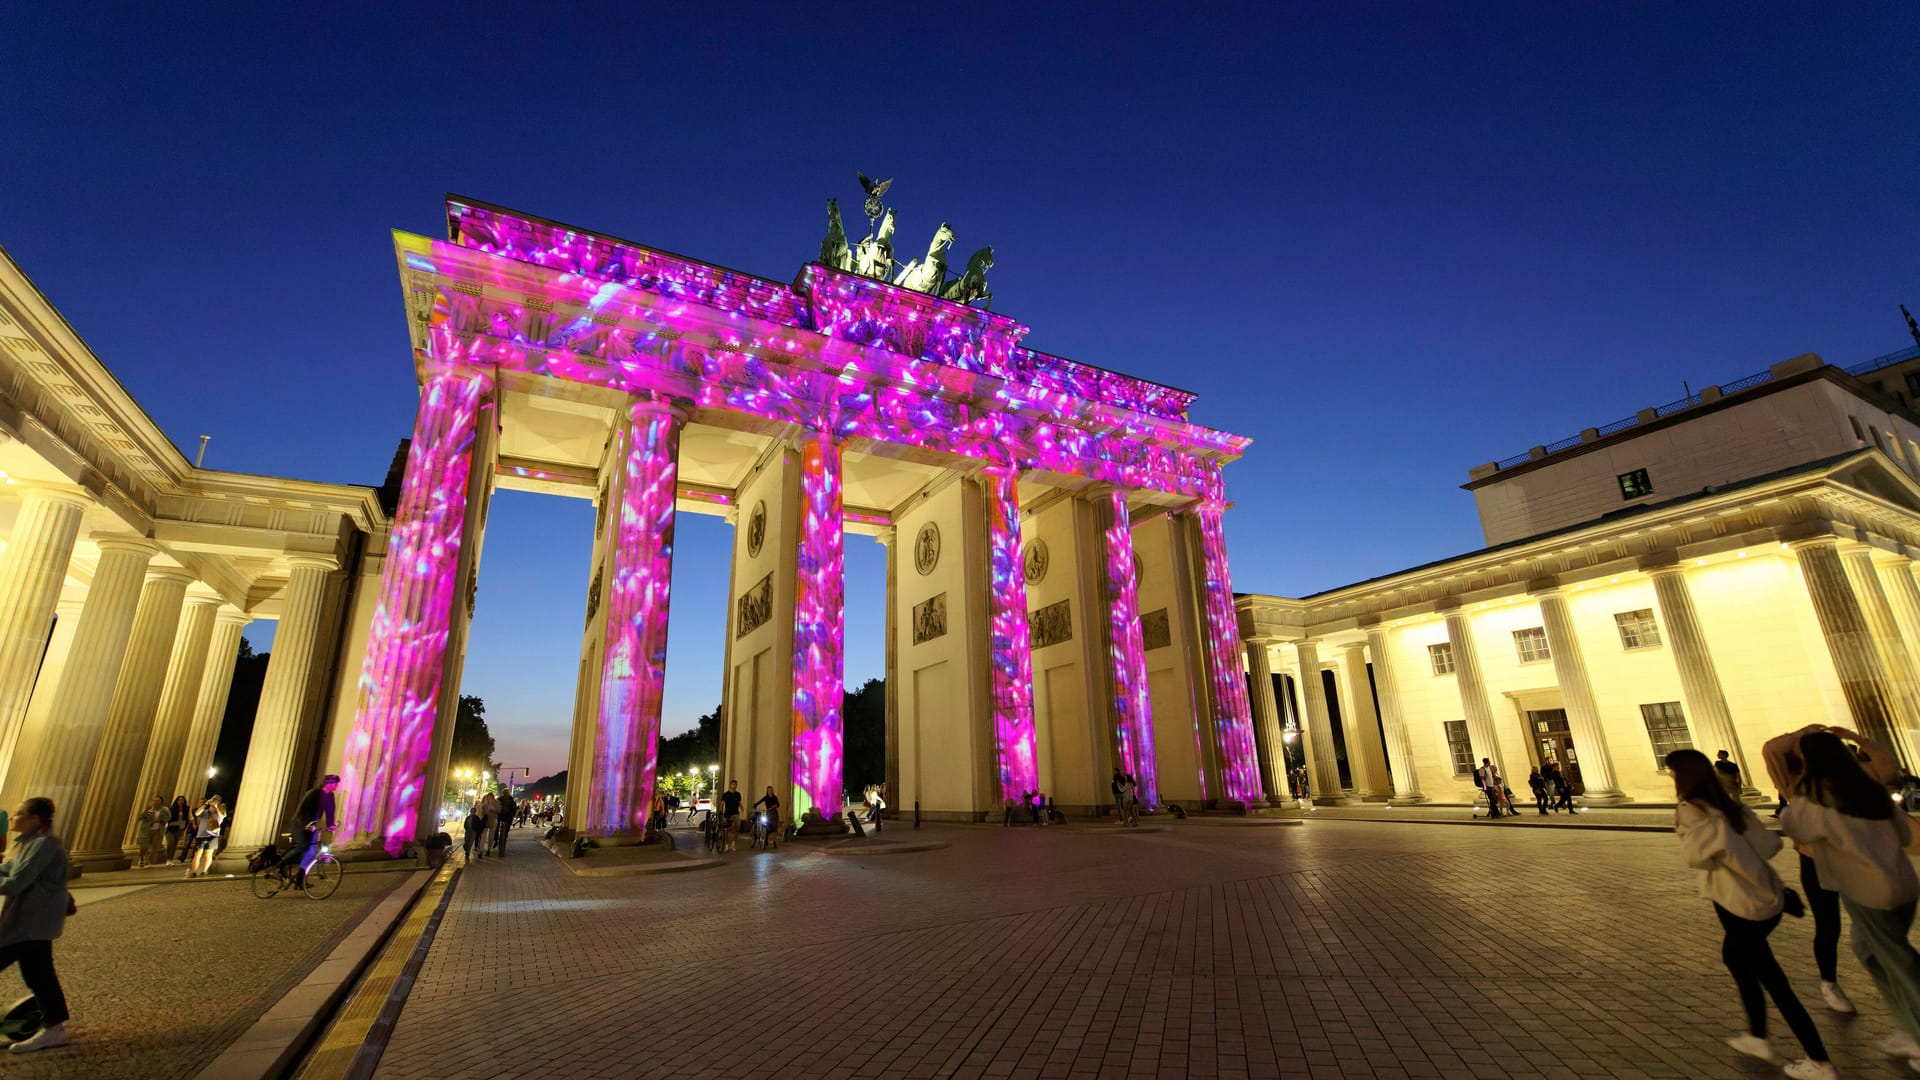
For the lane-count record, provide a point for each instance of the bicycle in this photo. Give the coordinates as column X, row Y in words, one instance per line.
column 714, row 834
column 761, row 837
column 318, row 878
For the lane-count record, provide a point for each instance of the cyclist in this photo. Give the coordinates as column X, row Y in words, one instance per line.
column 730, row 813
column 315, row 806
column 772, row 804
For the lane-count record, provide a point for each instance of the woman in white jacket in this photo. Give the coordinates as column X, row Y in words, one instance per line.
column 1725, row 842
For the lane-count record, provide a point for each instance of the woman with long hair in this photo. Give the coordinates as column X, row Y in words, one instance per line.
column 179, row 817
column 1725, row 842
column 1845, row 818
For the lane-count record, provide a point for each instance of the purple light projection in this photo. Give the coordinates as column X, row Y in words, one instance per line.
column 818, row 633
column 839, row 355
column 1232, row 713
column 385, row 761
column 1009, row 651
column 634, row 661
column 1132, row 698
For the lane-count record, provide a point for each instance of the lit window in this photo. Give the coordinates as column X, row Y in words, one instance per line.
column 1635, row 484
column 1442, row 657
column 1532, row 644
column 1667, row 727
column 1638, row 630
column 1460, row 747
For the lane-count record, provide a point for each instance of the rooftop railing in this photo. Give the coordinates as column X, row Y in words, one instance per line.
column 1710, row 394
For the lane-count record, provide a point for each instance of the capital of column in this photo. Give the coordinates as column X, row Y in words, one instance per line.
column 171, row 573
column 132, row 545
column 323, row 563
column 232, row 616
column 1807, row 543
column 58, row 493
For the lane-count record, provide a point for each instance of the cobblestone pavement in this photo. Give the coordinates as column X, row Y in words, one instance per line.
column 1653, row 818
column 160, row 978
column 1335, row 949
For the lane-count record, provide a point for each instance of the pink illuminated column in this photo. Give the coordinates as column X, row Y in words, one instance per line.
column 818, row 632
column 1132, row 698
column 633, row 665
column 1009, row 649
column 1232, row 714
column 383, row 776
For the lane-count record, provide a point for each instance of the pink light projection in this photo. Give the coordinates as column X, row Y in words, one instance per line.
column 385, row 762
column 1233, row 714
column 818, row 612
column 840, row 356
column 1132, row 698
column 634, row 660
column 1009, row 651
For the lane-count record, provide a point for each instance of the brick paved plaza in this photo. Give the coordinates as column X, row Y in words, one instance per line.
column 1201, row 948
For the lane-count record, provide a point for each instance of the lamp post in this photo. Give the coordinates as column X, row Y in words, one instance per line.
column 713, row 781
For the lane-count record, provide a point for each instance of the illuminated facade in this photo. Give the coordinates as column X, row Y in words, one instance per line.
column 562, row 361
column 1709, row 573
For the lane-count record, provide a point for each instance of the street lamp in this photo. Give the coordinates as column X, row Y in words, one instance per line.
column 713, row 780
column 212, row 771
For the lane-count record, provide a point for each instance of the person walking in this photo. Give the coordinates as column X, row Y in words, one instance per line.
column 470, row 832
column 508, row 808
column 1491, row 783
column 34, row 913
column 1562, row 789
column 1725, row 842
column 152, row 830
column 1539, row 785
column 1729, row 772
column 730, row 813
column 489, row 811
column 179, row 819
column 771, row 803
column 1838, row 812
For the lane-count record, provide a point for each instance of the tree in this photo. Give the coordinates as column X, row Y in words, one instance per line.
column 690, row 752
column 863, row 718
column 472, row 742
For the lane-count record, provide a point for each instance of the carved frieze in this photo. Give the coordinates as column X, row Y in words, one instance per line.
column 926, row 549
column 1050, row 625
column 930, row 619
column 1155, row 631
column 754, row 608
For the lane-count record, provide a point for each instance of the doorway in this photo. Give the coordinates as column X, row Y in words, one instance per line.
column 1553, row 741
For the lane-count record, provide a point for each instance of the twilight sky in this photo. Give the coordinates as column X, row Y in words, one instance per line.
column 1388, row 244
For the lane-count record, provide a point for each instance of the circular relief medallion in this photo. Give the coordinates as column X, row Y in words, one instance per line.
column 926, row 549
column 1034, row 561
column 756, row 528
column 1139, row 571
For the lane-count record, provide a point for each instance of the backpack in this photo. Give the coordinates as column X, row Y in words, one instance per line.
column 262, row 859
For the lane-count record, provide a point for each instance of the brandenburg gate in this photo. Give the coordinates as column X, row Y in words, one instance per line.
column 1058, row 596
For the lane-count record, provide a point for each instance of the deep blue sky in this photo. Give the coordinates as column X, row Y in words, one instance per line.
column 1387, row 244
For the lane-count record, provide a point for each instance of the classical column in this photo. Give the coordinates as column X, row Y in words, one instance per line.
column 1127, row 654
column 173, row 716
column 1323, row 764
column 32, row 569
column 1903, row 684
column 819, row 616
column 58, row 764
column 97, row 832
column 890, row 537
column 1474, row 704
column 1903, row 593
column 209, row 704
column 385, row 781
column 1406, row 783
column 1366, row 753
column 1009, row 648
column 1576, row 696
column 1850, row 644
column 260, row 808
column 1270, row 739
column 1233, row 717
column 633, row 657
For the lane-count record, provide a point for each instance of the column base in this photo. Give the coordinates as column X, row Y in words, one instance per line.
column 1372, row 798
column 1333, row 800
column 1412, row 798
column 98, row 862
column 1606, row 798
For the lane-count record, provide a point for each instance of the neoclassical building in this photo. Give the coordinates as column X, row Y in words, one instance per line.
column 126, row 577
column 1708, row 573
column 1058, row 598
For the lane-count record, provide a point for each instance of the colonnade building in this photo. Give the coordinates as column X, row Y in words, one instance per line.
column 1058, row 597
column 1705, row 574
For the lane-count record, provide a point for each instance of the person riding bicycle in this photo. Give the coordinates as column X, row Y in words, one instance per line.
column 315, row 806
column 730, row 813
column 772, row 804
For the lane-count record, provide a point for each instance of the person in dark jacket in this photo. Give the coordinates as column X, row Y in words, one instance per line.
column 314, row 813
column 34, row 882
column 507, row 810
